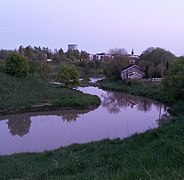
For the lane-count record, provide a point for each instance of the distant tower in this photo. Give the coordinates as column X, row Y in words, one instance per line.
column 132, row 59
column 72, row 47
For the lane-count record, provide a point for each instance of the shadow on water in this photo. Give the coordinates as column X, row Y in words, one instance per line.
column 20, row 124
column 114, row 102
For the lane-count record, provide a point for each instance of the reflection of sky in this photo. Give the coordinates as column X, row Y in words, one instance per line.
column 50, row 131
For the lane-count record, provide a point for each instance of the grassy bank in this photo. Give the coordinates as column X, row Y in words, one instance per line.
column 157, row 154
column 140, row 89
column 31, row 94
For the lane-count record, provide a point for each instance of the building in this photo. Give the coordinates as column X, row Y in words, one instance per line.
column 100, row 56
column 132, row 72
column 72, row 47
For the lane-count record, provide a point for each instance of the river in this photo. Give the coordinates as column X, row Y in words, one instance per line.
column 119, row 116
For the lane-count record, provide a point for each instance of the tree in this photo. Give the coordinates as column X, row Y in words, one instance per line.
column 84, row 55
column 68, row 75
column 17, row 65
column 73, row 55
column 4, row 54
column 118, row 52
column 28, row 52
column 156, row 60
column 173, row 83
column 112, row 68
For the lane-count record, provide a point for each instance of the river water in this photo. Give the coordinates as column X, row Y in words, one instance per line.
column 119, row 116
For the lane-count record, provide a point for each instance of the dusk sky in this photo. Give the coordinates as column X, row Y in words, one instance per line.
column 94, row 25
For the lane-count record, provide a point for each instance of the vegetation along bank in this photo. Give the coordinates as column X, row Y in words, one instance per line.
column 22, row 92
column 156, row 154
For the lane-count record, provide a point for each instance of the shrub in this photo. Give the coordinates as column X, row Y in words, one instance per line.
column 177, row 109
column 68, row 75
column 17, row 65
column 173, row 83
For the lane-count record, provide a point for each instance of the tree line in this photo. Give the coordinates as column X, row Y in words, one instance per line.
column 156, row 62
column 44, row 53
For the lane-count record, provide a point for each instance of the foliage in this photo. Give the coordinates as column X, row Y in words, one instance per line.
column 177, row 109
column 4, row 54
column 173, row 83
column 59, row 55
column 20, row 94
column 112, row 68
column 43, row 70
column 69, row 75
column 2, row 66
column 73, row 55
column 84, row 55
column 156, row 61
column 118, row 52
column 146, row 89
column 17, row 65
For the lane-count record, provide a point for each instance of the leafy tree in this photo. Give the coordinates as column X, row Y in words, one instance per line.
column 118, row 52
column 4, row 54
column 28, row 52
column 68, row 75
column 173, row 83
column 112, row 68
column 84, row 55
column 157, row 60
column 73, row 55
column 17, row 65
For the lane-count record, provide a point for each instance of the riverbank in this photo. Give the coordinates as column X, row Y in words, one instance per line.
column 18, row 95
column 156, row 154
column 148, row 90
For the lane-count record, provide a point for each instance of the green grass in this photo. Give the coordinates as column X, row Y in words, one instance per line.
column 156, row 154
column 140, row 89
column 20, row 94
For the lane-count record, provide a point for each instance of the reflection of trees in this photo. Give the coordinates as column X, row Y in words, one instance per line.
column 73, row 115
column 114, row 102
column 69, row 117
column 19, row 127
column 163, row 119
column 144, row 105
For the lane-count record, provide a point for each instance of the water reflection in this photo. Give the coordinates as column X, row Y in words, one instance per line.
column 69, row 117
column 163, row 119
column 119, row 116
column 18, row 126
column 115, row 102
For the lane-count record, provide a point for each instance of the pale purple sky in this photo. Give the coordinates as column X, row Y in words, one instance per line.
column 94, row 25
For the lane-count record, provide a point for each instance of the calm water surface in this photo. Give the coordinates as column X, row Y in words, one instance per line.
column 119, row 116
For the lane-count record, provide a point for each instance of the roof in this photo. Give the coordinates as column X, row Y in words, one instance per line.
column 130, row 66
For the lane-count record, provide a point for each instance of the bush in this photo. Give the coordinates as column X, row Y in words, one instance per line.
column 173, row 83
column 177, row 109
column 17, row 65
column 69, row 75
